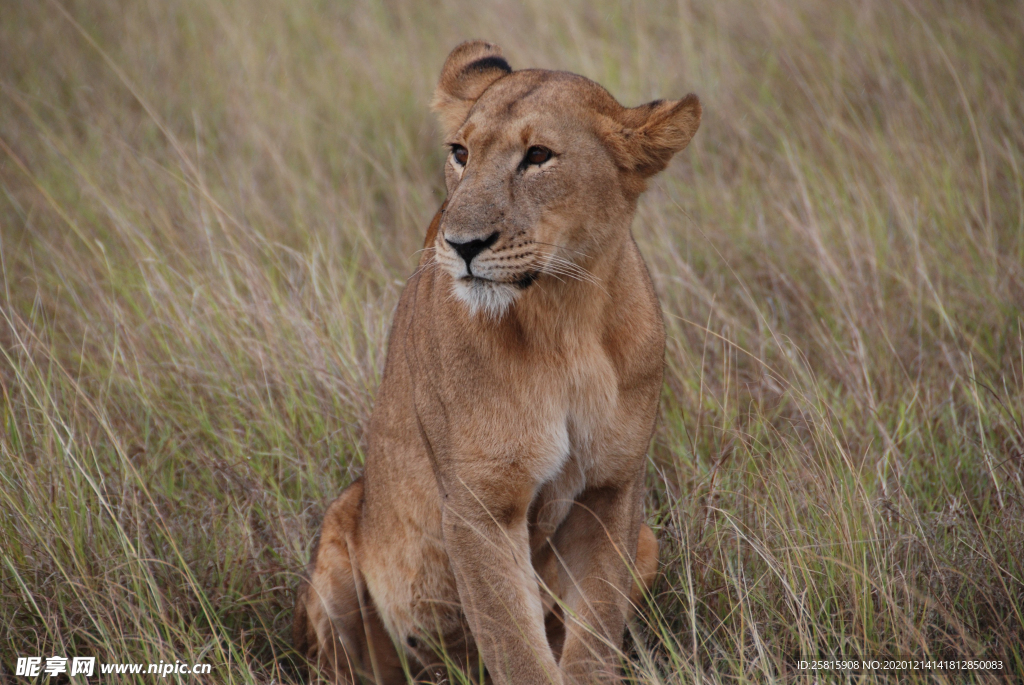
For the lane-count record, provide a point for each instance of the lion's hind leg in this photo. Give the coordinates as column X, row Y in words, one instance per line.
column 646, row 565
column 336, row 624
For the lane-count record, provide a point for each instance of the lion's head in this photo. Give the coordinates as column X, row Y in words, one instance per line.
column 543, row 173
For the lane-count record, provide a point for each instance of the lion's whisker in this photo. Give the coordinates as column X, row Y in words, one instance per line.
column 562, row 247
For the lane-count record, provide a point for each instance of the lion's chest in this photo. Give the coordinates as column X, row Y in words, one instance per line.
column 574, row 426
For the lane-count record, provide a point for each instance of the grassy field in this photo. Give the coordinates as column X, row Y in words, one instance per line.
column 209, row 208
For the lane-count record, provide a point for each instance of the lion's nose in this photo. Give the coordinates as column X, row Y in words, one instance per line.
column 472, row 248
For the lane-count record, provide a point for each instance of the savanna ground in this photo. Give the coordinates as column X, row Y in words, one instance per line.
column 209, row 208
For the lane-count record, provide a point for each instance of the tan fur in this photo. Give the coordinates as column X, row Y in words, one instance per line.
column 501, row 509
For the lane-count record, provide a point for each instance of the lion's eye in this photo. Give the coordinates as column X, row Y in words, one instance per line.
column 537, row 155
column 460, row 154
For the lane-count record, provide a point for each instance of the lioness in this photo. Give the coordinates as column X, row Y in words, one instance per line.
column 500, row 511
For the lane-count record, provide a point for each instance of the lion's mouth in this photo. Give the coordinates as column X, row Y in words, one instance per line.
column 523, row 282
column 526, row 280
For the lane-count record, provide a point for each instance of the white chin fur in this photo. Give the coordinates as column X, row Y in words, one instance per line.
column 489, row 297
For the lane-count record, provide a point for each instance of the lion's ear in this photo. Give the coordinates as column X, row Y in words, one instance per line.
column 643, row 139
column 469, row 70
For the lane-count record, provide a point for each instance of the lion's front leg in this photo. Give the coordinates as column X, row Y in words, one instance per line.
column 486, row 536
column 596, row 548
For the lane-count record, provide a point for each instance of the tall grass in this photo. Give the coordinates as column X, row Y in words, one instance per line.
column 208, row 210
